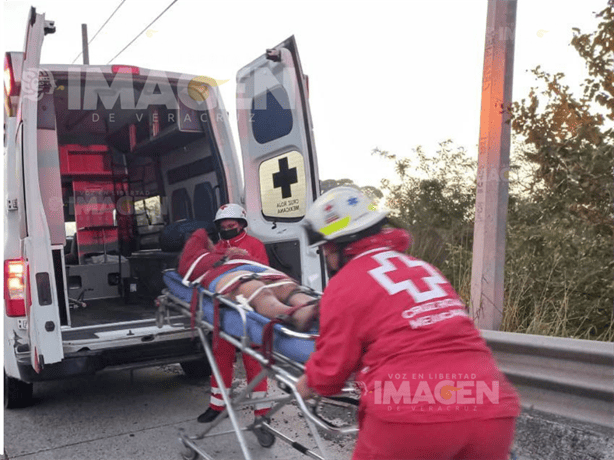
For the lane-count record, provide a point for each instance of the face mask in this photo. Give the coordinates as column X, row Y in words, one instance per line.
column 230, row 234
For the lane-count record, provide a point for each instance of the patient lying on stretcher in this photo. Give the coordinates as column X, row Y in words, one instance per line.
column 219, row 271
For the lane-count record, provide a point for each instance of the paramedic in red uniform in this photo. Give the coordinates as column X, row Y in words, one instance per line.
column 231, row 221
column 430, row 387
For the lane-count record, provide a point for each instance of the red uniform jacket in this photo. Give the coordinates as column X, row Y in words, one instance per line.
column 214, row 263
column 397, row 323
column 252, row 245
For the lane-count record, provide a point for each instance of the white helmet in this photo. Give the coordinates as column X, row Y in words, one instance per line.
column 340, row 215
column 230, row 211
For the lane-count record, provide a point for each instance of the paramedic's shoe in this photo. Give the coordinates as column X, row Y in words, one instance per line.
column 208, row 416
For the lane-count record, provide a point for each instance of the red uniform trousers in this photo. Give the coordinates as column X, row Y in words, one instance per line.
column 488, row 439
column 225, row 352
column 225, row 357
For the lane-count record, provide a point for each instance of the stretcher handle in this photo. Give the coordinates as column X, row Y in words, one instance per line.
column 344, row 400
column 340, row 398
column 298, row 335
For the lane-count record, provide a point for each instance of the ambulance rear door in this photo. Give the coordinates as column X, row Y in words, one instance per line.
column 42, row 300
column 279, row 158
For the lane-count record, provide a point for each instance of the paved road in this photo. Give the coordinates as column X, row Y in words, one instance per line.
column 119, row 416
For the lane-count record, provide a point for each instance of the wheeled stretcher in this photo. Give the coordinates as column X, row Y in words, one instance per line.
column 280, row 350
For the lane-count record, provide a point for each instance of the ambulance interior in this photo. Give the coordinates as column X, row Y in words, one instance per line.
column 132, row 183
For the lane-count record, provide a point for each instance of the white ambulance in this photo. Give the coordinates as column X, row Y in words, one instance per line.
column 107, row 169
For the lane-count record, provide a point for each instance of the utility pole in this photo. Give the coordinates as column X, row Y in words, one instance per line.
column 493, row 166
column 86, row 53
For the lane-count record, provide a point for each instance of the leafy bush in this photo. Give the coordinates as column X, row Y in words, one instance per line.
column 558, row 269
column 561, row 233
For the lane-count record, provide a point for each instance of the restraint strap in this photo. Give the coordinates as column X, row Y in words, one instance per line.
column 300, row 290
column 265, row 286
column 269, row 328
column 185, row 281
column 231, row 286
column 243, row 278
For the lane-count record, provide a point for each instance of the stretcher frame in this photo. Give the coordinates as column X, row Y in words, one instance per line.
column 278, row 367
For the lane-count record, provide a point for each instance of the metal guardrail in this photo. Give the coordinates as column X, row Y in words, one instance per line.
column 567, row 377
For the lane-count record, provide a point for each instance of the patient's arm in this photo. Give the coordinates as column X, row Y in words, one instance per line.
column 198, row 244
column 236, row 252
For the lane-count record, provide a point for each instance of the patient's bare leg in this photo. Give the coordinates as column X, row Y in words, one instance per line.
column 304, row 316
column 284, row 291
column 267, row 302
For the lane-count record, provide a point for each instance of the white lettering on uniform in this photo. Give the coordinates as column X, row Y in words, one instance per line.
column 432, row 319
column 436, row 305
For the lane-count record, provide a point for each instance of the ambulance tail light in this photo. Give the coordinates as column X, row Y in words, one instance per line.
column 15, row 285
column 126, row 69
column 10, row 85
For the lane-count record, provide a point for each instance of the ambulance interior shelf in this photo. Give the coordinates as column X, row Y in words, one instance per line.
column 91, row 184
column 102, row 229
column 162, row 130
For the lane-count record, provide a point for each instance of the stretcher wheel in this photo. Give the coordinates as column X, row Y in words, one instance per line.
column 265, row 438
column 187, row 453
column 160, row 318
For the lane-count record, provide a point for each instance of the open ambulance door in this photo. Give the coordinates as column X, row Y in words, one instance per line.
column 279, row 157
column 41, row 297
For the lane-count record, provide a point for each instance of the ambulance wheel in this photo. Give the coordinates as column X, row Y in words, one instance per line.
column 198, row 368
column 16, row 393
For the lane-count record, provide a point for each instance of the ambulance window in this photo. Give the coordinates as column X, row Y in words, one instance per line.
column 271, row 115
column 70, row 228
column 182, row 206
column 148, row 211
column 204, row 202
column 154, row 209
column 283, row 189
column 140, row 213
